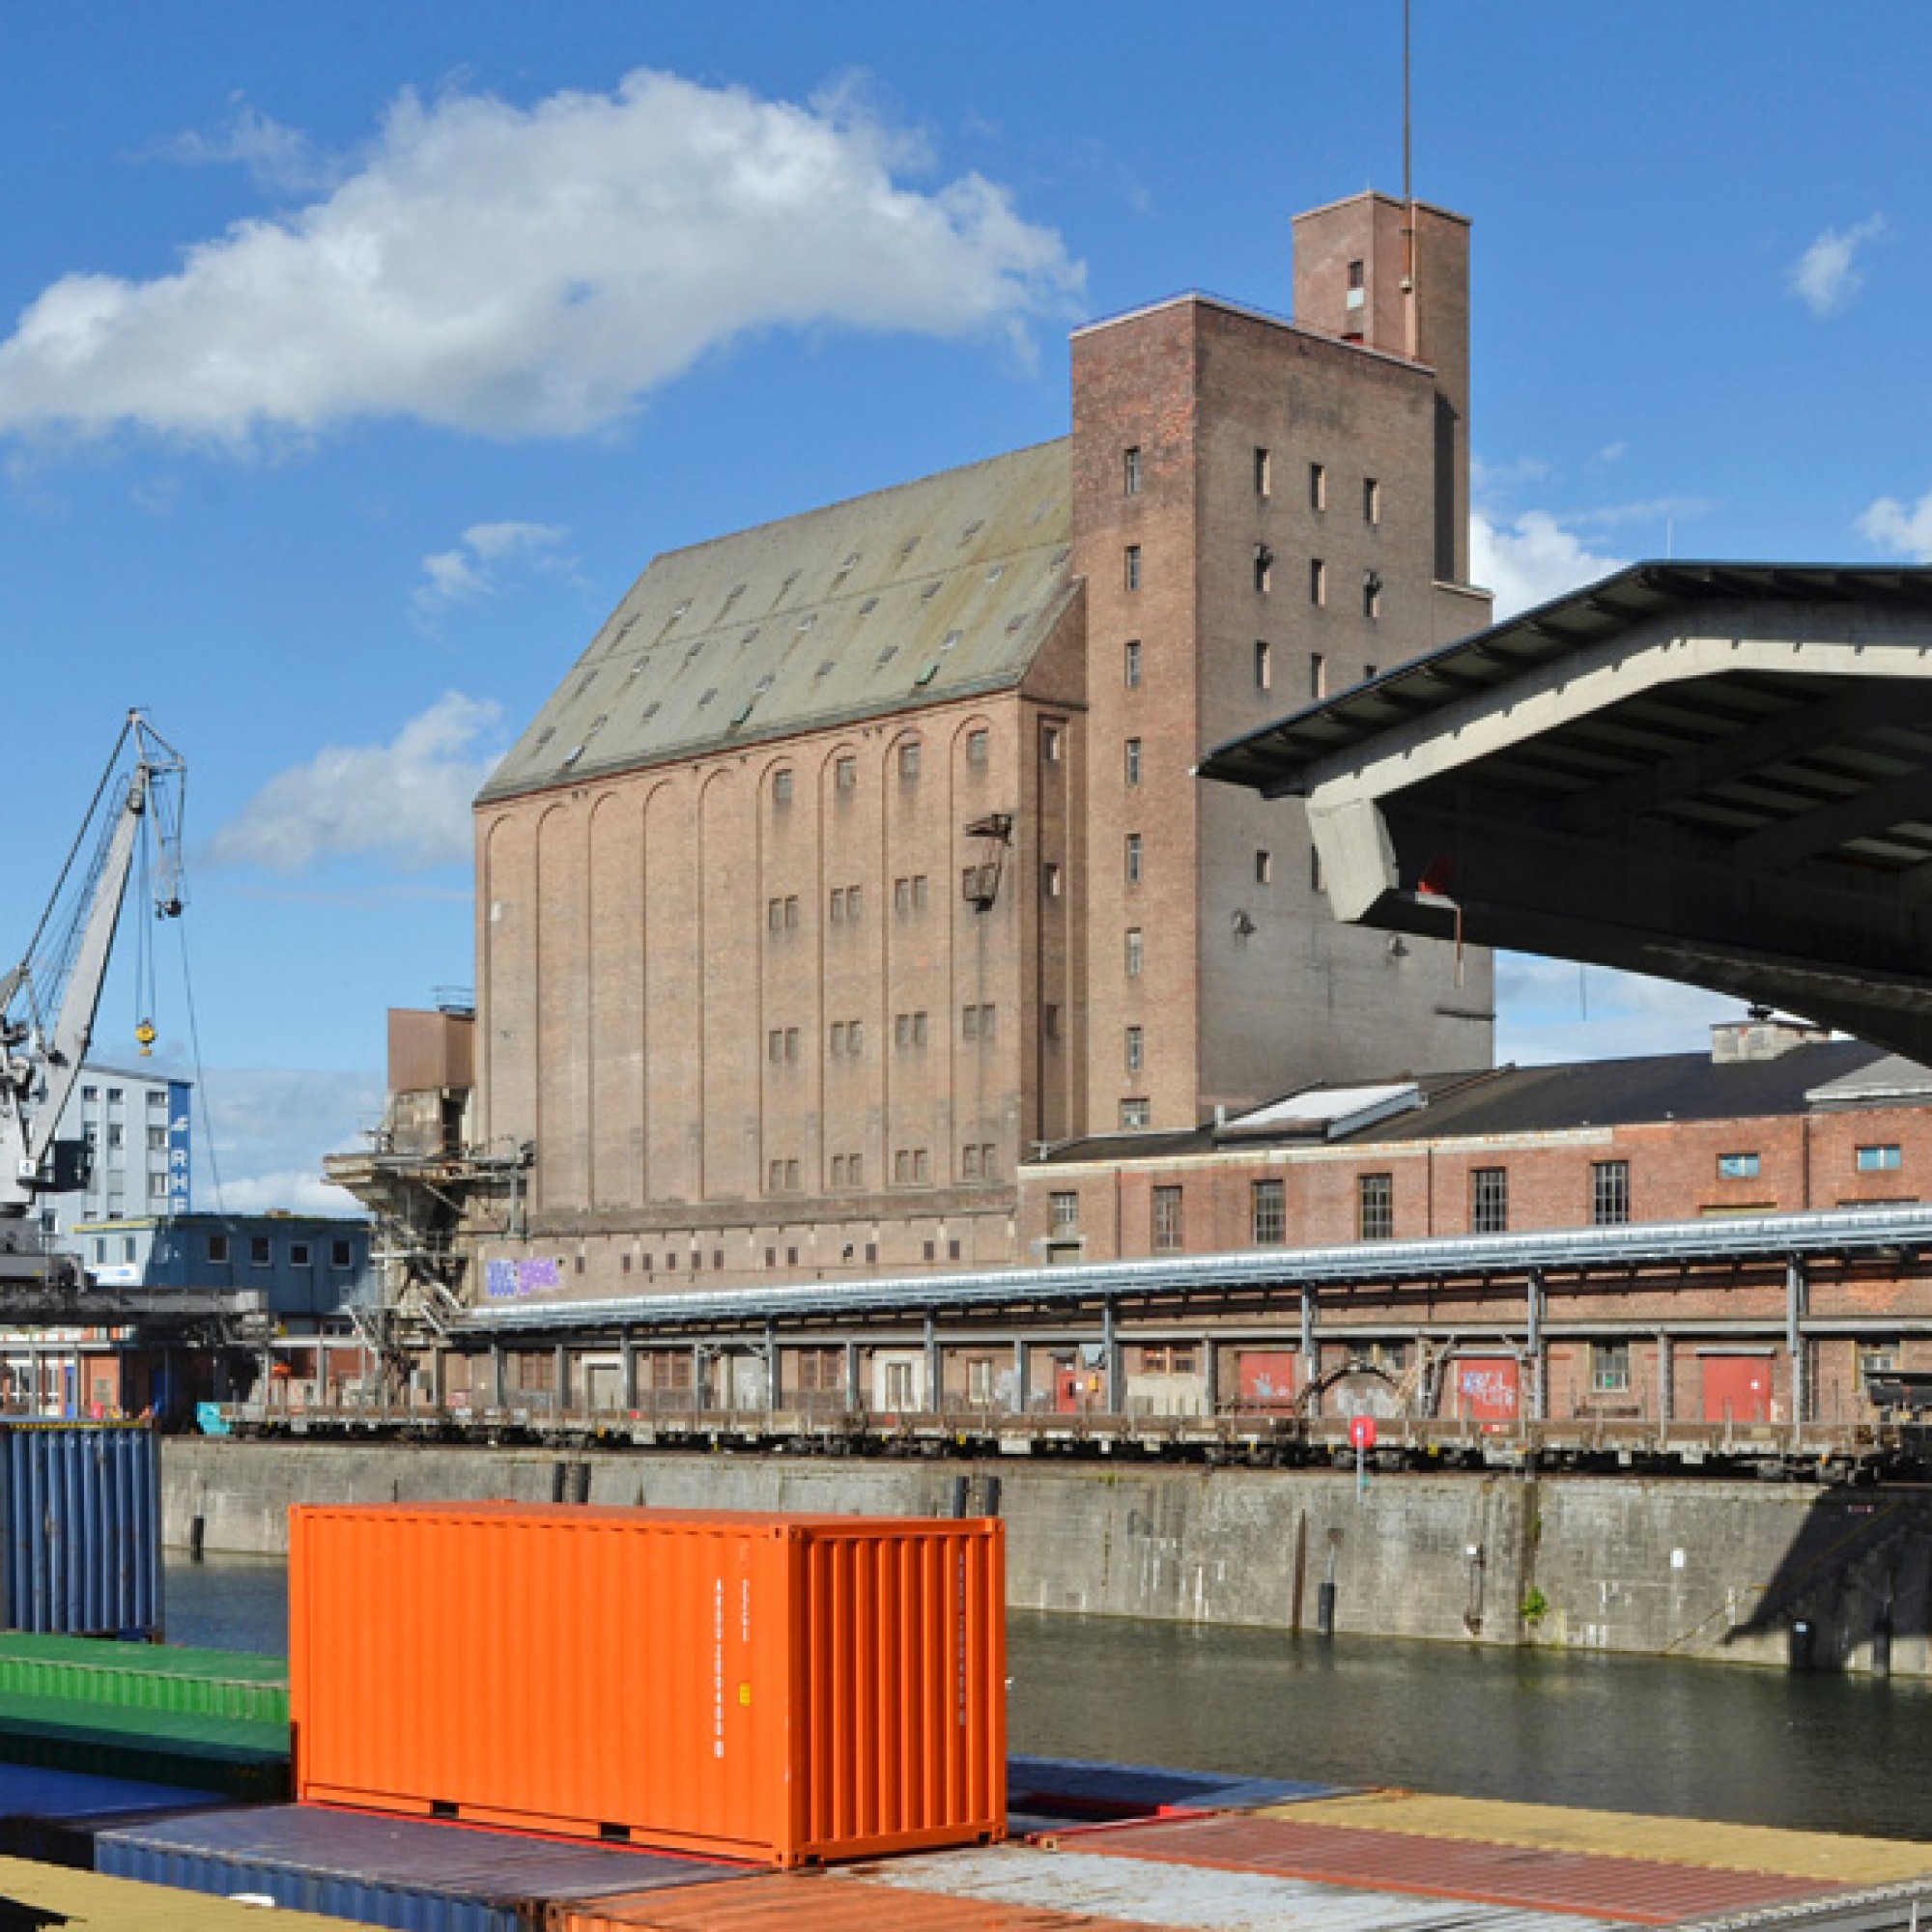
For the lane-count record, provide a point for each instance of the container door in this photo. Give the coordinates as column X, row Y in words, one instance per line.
column 1487, row 1388
column 1267, row 1379
column 1737, row 1388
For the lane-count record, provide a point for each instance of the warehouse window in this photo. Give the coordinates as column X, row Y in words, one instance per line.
column 1314, row 867
column 1136, row 1049
column 1372, row 500
column 340, row 1254
column 218, row 1250
column 261, row 1250
column 1263, row 569
column 1049, row 880
column 1136, row 951
column 1264, row 867
column 909, row 759
column 1372, row 593
column 1130, row 566
column 1065, row 1211
column 1609, row 1368
column 1488, row 1200
column 1167, row 1231
column 1049, row 743
column 1270, row 1214
column 1133, row 858
column 1263, row 665
column 1264, row 473
column 299, row 1254
column 1609, row 1193
column 976, row 748
column 1317, row 676
column 1132, row 762
column 1878, row 1159
column 1318, row 486
column 846, row 773
column 1136, row 1112
column 1130, row 663
column 1737, row 1166
column 1130, row 472
column 1375, row 1207
column 782, row 785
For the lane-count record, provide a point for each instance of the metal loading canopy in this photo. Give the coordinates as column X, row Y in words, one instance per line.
column 1714, row 773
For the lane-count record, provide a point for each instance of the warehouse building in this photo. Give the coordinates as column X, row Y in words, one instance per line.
column 862, row 853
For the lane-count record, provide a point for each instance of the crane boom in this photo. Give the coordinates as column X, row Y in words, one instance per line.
column 48, row 999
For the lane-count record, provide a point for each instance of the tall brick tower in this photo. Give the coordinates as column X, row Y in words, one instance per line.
column 1265, row 513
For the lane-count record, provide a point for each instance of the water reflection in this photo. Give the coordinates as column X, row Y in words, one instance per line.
column 1629, row 1734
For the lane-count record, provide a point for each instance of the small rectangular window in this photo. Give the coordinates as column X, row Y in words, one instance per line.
column 781, row 786
column 1130, row 663
column 976, row 748
column 1357, row 275
column 791, row 1186
column 846, row 773
column 1136, row 1112
column 1130, row 566
column 1130, row 472
column 1065, row 1210
column 1264, row 473
column 838, row 1042
column 299, row 1254
column 969, row 1022
column 1317, row 581
column 1049, row 880
column 1132, row 762
column 1270, row 1214
column 1317, row 676
column 774, row 1043
column 1375, row 1207
column 1133, row 858
column 909, row 759
column 918, row 891
column 1372, row 594
column 775, row 910
column 1609, row 1193
column 1878, row 1159
column 261, row 1250
column 1166, row 1230
column 1263, row 569
column 1263, row 665
column 1049, row 743
column 1372, row 500
column 1264, row 867
column 340, row 1254
column 791, row 1043
column 775, row 1174
column 1318, row 486
column 1737, row 1166
column 1136, row 1049
column 218, row 1250
column 1136, row 951
column 1049, row 1021
column 969, row 1170
column 855, row 903
column 836, row 909
column 1609, row 1368
column 1315, row 882
column 791, row 913
column 1488, row 1200
column 922, row 1165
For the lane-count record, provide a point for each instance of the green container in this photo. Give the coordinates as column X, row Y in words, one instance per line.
column 145, row 1677
column 236, row 1756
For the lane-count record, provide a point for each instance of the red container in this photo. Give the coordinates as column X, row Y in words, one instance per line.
column 785, row 1688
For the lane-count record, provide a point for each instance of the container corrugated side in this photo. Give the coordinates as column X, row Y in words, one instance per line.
column 1641, row 1890
column 1689, row 1841
column 92, row 1901
column 781, row 1689
column 824, row 1902
column 80, row 1528
column 145, row 1677
column 401, row 1873
column 227, row 1754
column 1075, row 1788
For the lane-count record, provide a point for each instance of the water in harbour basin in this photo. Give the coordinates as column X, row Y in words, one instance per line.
column 1620, row 1733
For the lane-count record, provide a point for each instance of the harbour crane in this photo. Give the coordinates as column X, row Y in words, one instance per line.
column 48, row 999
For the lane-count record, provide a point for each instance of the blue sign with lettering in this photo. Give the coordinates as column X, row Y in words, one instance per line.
column 181, row 1119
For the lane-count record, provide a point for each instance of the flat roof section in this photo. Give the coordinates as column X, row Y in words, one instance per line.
column 1718, row 773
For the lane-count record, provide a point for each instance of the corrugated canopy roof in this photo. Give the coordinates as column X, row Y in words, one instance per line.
column 929, row 590
column 1276, row 758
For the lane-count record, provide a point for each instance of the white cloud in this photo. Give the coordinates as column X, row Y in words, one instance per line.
column 270, row 1126
column 1827, row 276
column 473, row 569
column 1528, row 558
column 409, row 799
column 533, row 272
column 277, row 157
column 1553, row 1010
column 1905, row 528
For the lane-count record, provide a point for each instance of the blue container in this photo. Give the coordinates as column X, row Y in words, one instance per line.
column 55, row 1815
column 403, row 1872
column 80, row 1528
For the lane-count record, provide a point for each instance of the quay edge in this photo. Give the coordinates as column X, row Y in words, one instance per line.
column 1766, row 1574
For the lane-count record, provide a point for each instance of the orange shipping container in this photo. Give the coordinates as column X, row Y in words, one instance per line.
column 789, row 1688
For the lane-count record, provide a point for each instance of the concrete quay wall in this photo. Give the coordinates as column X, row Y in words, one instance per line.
column 1714, row 1569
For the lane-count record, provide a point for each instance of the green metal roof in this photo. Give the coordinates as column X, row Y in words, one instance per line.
column 932, row 591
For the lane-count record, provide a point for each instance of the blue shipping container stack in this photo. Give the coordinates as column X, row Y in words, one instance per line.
column 80, row 1528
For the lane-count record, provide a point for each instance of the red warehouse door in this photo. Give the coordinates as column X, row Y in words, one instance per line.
column 1267, row 1379
column 1737, row 1388
column 1487, row 1388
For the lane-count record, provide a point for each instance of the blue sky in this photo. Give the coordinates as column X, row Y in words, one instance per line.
column 355, row 360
